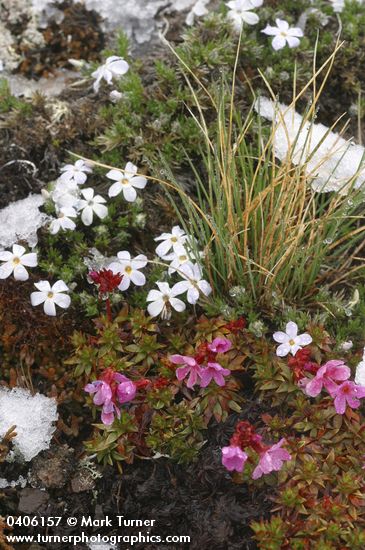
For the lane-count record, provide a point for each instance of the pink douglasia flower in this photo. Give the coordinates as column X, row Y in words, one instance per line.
column 233, row 458
column 348, row 393
column 220, row 345
column 213, row 371
column 114, row 387
column 271, row 460
column 327, row 376
column 190, row 366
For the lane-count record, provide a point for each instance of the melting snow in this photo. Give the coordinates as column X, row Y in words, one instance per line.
column 21, row 220
column 33, row 416
column 4, row 483
column 333, row 162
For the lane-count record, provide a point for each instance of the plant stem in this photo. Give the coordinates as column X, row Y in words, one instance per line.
column 108, row 309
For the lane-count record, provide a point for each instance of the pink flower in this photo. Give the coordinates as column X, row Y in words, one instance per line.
column 126, row 390
column 327, row 376
column 108, row 413
column 271, row 460
column 233, row 458
column 113, row 386
column 102, row 391
column 190, row 367
column 213, row 371
column 347, row 394
column 220, row 345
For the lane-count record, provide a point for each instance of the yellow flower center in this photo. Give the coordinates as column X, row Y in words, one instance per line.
column 50, row 295
column 182, row 258
column 174, row 239
column 16, row 261
column 291, row 342
column 128, row 269
column 165, row 298
column 125, row 181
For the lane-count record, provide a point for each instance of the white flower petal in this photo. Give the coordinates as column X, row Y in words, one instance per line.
column 283, row 350
column 125, row 284
column 139, row 182
column 154, row 295
column 43, row 286
column 30, row 260
column 5, row 256
column 138, row 278
column 155, row 308
column 6, row 270
column 303, row 339
column 192, row 295
column 163, row 248
column 101, row 210
column 177, row 304
column 139, row 261
column 250, row 18
column 292, row 41
column 18, row 250
column 87, row 215
column 20, row 273
column 180, row 288
column 60, row 286
column 37, row 298
column 279, row 42
column 115, row 189
column 291, row 329
column 88, row 193
column 129, row 194
column 280, row 337
column 205, row 287
column 49, row 307
column 62, row 300
column 116, row 175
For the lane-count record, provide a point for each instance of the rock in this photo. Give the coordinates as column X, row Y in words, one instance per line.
column 82, row 481
column 31, row 500
column 53, row 468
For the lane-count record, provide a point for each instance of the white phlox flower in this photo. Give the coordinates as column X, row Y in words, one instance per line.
column 126, row 182
column 175, row 240
column 51, row 296
column 91, row 204
column 113, row 67
column 14, row 262
column 240, row 11
column 162, row 301
column 76, row 172
column 130, row 269
column 290, row 341
column 63, row 221
column 198, row 10
column 283, row 34
column 193, row 283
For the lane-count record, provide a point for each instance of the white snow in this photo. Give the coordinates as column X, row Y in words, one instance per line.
column 333, row 162
column 4, row 483
column 33, row 416
column 20, row 221
column 135, row 17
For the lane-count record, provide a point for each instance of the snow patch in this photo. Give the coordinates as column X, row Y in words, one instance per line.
column 33, row 416
column 333, row 162
column 20, row 221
